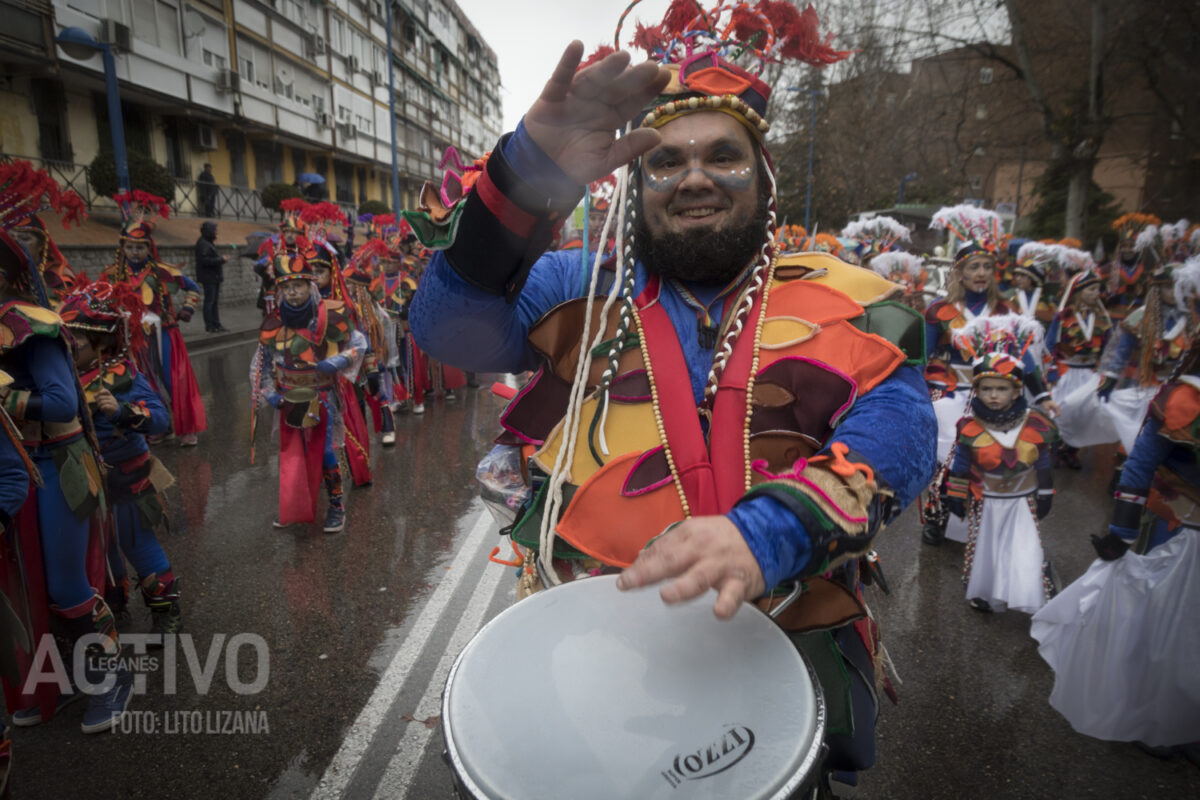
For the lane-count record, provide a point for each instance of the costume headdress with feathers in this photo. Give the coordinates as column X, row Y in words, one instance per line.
column 875, row 235
column 102, row 307
column 999, row 346
column 25, row 193
column 978, row 229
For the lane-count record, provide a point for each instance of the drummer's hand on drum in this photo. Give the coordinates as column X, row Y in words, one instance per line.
column 699, row 553
column 574, row 117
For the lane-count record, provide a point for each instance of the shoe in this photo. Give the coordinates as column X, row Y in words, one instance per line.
column 276, row 523
column 335, row 519
column 418, row 408
column 105, row 710
column 210, row 329
column 165, row 617
column 221, row 329
column 933, row 534
column 450, row 395
column 979, row 604
column 389, row 439
column 187, row 440
column 28, row 717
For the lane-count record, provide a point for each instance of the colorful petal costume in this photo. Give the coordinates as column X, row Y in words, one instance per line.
column 639, row 416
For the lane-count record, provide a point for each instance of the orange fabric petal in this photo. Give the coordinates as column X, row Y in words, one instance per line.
column 611, row 527
column 810, row 302
column 864, row 357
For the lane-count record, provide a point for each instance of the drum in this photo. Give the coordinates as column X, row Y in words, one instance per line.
column 301, row 407
column 583, row 691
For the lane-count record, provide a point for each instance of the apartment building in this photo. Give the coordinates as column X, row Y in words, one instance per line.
column 262, row 89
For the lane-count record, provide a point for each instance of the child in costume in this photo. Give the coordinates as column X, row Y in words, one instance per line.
column 1076, row 339
column 1122, row 639
column 53, row 566
column 1028, row 296
column 303, row 348
column 57, row 276
column 907, row 270
column 165, row 359
column 106, row 323
column 1001, row 479
column 1128, row 272
column 382, row 364
column 292, row 239
column 392, row 289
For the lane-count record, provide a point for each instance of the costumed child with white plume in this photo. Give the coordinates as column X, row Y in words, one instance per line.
column 1122, row 639
column 1000, row 479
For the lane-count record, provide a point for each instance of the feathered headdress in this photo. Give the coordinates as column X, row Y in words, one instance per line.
column 875, row 235
column 978, row 228
column 1175, row 241
column 319, row 217
column 790, row 238
column 138, row 210
column 26, row 192
column 1187, row 283
column 293, row 208
column 1130, row 225
column 898, row 266
column 103, row 307
column 998, row 345
column 823, row 243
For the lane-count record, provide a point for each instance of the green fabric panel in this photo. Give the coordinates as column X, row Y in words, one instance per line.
column 823, row 653
column 528, row 531
column 899, row 324
column 73, row 478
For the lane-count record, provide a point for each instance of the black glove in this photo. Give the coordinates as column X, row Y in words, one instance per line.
column 185, row 314
column 373, row 383
column 1044, row 501
column 1106, row 387
column 1110, row 547
column 955, row 505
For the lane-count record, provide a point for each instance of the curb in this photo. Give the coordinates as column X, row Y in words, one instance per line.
column 215, row 340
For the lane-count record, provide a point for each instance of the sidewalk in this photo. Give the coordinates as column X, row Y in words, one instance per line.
column 242, row 319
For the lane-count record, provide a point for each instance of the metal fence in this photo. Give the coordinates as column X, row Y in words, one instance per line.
column 230, row 202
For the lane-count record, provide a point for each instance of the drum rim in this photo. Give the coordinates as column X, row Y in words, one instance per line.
column 803, row 773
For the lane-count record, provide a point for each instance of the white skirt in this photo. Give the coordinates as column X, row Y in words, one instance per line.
column 1127, row 409
column 1124, row 645
column 949, row 411
column 1004, row 556
column 1082, row 421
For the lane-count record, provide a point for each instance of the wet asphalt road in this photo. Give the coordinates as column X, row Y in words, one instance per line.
column 361, row 627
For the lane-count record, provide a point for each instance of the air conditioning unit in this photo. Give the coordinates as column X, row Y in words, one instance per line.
column 352, row 63
column 228, row 81
column 117, row 35
column 380, row 78
column 346, row 130
column 204, row 137
column 323, row 119
column 315, row 45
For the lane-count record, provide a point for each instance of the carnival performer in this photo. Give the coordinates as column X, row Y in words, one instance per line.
column 15, row 476
column 1001, row 479
column 292, row 239
column 164, row 359
column 57, row 275
column 1122, row 639
column 382, row 362
column 1128, row 274
column 325, row 263
column 875, row 235
column 303, row 348
column 907, row 270
column 106, row 323
column 972, row 293
column 752, row 492
column 1075, row 342
column 54, row 564
column 392, row 289
column 1028, row 296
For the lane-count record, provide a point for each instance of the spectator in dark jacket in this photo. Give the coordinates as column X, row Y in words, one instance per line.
column 206, row 191
column 210, row 269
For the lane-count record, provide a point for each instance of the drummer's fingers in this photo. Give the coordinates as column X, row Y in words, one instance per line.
column 730, row 598
column 699, row 578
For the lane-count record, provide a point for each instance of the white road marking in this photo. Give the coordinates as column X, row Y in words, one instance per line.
column 411, row 750
column 360, row 735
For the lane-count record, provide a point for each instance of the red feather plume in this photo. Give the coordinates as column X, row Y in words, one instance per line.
column 293, row 204
column 679, row 16
column 649, row 38
column 25, row 191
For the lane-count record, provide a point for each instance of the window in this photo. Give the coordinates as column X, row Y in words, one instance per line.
column 985, row 74
column 318, row 104
column 248, row 70
column 343, row 114
column 976, row 182
column 211, row 59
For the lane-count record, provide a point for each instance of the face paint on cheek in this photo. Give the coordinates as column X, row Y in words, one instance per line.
column 734, row 180
column 665, row 183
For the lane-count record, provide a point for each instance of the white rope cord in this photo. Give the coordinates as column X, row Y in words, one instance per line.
column 747, row 302
column 571, row 421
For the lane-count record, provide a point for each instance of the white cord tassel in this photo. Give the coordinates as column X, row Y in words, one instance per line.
column 571, row 422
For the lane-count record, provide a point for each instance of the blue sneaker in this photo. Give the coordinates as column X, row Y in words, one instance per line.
column 104, row 710
column 28, row 717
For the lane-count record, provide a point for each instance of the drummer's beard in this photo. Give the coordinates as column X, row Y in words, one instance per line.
column 713, row 256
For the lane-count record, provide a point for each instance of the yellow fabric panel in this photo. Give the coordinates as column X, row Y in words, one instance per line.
column 630, row 429
column 862, row 285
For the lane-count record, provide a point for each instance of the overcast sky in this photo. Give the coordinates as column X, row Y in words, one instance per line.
column 529, row 36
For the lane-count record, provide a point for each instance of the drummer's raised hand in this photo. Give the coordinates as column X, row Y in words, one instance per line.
column 699, row 553
column 575, row 117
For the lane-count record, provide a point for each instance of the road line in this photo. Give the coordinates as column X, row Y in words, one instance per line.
column 411, row 749
column 358, row 738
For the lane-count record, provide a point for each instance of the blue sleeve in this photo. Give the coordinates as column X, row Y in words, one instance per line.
column 893, row 428
column 1053, row 334
column 54, row 377
column 1149, row 451
column 469, row 328
column 962, row 461
column 188, row 284
column 932, row 334
column 142, row 393
column 1126, row 346
column 532, row 163
column 14, row 480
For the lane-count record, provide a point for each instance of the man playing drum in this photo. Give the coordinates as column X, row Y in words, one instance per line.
column 767, row 413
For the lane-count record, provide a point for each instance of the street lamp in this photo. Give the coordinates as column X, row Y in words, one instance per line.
column 912, row 176
column 812, row 139
column 81, row 45
column 392, row 110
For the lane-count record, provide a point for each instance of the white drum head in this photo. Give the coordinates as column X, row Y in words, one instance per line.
column 584, row 692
